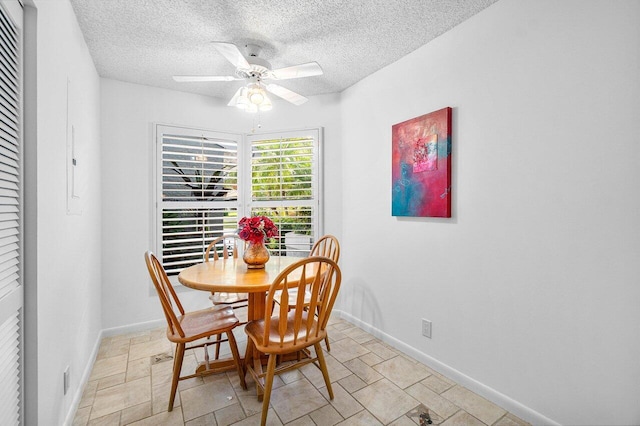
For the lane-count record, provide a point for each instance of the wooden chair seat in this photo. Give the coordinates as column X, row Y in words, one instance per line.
column 198, row 324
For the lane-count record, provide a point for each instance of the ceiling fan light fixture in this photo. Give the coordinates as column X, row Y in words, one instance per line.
column 256, row 94
column 266, row 104
column 243, row 101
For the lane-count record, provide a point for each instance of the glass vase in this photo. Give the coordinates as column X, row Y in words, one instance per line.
column 255, row 255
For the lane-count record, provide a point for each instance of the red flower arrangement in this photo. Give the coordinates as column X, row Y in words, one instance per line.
column 255, row 229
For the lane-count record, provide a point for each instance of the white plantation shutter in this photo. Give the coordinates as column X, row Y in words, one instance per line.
column 285, row 186
column 197, row 192
column 206, row 181
column 10, row 217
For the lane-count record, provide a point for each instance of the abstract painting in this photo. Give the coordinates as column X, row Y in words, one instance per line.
column 421, row 168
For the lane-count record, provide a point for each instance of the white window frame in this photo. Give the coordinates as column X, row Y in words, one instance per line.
column 244, row 203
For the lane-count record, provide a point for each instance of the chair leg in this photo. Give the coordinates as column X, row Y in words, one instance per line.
column 236, row 358
column 326, row 342
column 271, row 368
column 218, row 339
column 248, row 354
column 177, row 366
column 323, row 368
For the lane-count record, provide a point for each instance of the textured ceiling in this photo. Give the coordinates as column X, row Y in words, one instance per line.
column 148, row 41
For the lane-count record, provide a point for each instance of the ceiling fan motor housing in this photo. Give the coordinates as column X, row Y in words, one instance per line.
column 259, row 68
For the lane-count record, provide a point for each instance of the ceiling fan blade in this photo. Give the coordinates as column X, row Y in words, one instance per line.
column 234, row 100
column 286, row 94
column 296, row 71
column 232, row 53
column 199, row 78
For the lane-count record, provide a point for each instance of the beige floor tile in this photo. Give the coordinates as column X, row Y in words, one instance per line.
column 336, row 370
column 146, row 337
column 206, row 420
column 107, row 382
column 326, row 416
column 511, row 420
column 296, row 400
column 362, row 370
column 385, row 400
column 380, row 349
column 113, row 348
column 207, row 398
column 138, row 368
column 135, row 413
column 160, row 398
column 272, row 420
column 250, row 403
column 109, row 366
column 108, row 420
column 82, row 416
column 359, row 335
column 150, row 348
column 291, row 376
column 475, row 405
column 173, row 418
column 122, row 396
column 342, row 401
column 229, row 415
column 352, row 383
column 88, row 394
column 462, row 418
column 363, row 418
column 402, row 372
column 442, row 406
column 302, row 421
column 403, row 421
column 346, row 349
column 335, row 335
column 436, row 384
column 371, row 359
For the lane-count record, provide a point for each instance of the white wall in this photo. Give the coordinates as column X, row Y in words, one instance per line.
column 68, row 246
column 532, row 285
column 129, row 113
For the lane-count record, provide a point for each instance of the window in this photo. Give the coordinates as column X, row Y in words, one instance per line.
column 206, row 181
column 284, row 186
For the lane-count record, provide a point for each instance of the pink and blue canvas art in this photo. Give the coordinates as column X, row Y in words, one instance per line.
column 421, row 168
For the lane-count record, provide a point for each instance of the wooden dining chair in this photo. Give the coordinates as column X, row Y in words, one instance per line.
column 285, row 330
column 227, row 245
column 189, row 327
column 327, row 246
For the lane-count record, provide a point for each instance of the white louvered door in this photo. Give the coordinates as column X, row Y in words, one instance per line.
column 11, row 291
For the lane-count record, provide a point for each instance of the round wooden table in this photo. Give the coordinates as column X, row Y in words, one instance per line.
column 232, row 276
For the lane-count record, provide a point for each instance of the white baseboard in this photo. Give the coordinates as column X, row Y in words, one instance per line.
column 68, row 421
column 491, row 394
column 132, row 328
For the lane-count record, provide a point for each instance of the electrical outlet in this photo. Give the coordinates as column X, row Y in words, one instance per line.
column 426, row 328
column 66, row 379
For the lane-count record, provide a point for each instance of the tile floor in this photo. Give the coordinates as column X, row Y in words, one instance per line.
column 373, row 384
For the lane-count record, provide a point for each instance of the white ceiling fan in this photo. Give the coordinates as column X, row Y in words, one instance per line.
column 255, row 70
